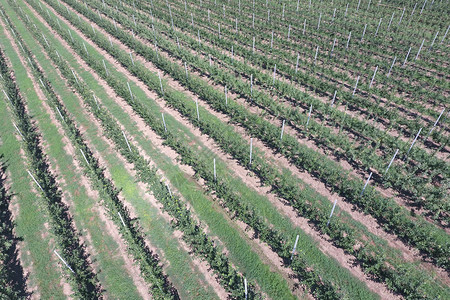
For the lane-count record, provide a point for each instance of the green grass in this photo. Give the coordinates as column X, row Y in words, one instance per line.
column 180, row 269
column 234, row 240
column 36, row 251
column 113, row 275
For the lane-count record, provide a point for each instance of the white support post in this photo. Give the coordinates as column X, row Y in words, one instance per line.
column 348, row 40
column 251, row 85
column 245, row 288
column 346, row 9
column 435, row 123
column 364, row 32
column 282, row 16
column 309, row 117
column 268, row 15
column 214, row 164
column 423, row 6
column 334, row 98
column 295, row 247
column 282, row 130
column 418, row 52
column 434, row 39
column 59, row 112
column 332, row 211
column 356, row 85
column 110, row 42
column 332, row 48
column 304, row 27
column 414, row 9
column 298, row 3
column 289, row 32
column 226, row 95
column 84, row 156
column 253, row 47
column 365, row 185
column 185, row 69
column 196, row 105
column 85, row 49
column 58, row 54
column 168, row 189
column 34, row 179
column 368, row 5
column 93, row 30
column 390, row 69
column 446, row 32
column 76, row 79
column 253, row 21
column 406, row 58
column 134, row 19
column 296, row 64
column 390, row 22
column 401, row 17
column 106, row 70
column 390, row 163
column 96, row 102
column 373, row 77
column 271, row 41
column 315, row 56
column 378, row 27
column 232, row 53
column 121, row 219
column 126, row 140
column 318, row 23
column 210, row 61
column 251, row 150
column 414, row 141
column 115, row 25
column 65, row 263
column 160, row 83
column 236, row 25
column 131, row 57
column 334, row 15
column 48, row 45
column 129, row 89
column 274, row 72
column 198, row 34
column 359, row 3
column 164, row 122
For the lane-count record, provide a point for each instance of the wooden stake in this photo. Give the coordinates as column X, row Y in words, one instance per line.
column 332, row 211
column 373, row 77
column 390, row 163
column 295, row 247
column 365, row 185
column 63, row 261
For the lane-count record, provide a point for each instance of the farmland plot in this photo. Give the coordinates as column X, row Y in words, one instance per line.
column 225, row 149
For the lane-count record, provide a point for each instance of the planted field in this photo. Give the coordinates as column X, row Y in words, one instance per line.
column 224, row 149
